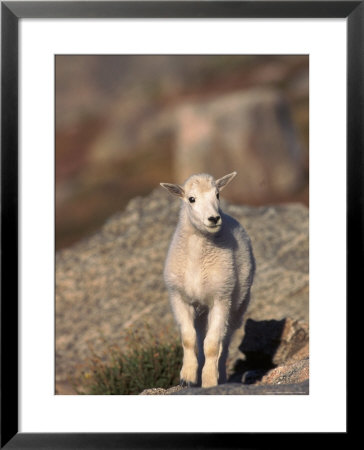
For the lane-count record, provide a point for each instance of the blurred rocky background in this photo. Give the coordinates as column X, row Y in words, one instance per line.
column 125, row 123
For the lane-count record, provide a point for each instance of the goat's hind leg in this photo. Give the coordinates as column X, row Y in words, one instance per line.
column 184, row 315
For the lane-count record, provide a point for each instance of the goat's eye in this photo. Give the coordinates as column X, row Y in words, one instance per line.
column 191, row 199
column 218, row 196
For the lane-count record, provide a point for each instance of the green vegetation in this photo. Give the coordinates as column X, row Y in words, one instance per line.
column 145, row 364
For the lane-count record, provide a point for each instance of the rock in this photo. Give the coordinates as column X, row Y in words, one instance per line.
column 235, row 389
column 273, row 351
column 251, row 132
column 161, row 391
column 112, row 282
column 242, row 389
column 290, row 372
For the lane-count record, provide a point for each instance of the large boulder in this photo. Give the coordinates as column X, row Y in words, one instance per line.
column 252, row 132
column 113, row 281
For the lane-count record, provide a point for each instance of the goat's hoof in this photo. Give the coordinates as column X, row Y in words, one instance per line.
column 185, row 383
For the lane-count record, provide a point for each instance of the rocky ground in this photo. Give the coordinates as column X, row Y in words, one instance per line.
column 113, row 282
column 236, row 389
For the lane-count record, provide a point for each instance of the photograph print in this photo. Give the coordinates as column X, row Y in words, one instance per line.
column 182, row 218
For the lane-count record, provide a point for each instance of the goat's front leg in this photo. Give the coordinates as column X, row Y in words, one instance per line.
column 216, row 328
column 185, row 314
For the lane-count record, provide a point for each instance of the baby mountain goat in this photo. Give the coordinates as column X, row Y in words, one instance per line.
column 208, row 273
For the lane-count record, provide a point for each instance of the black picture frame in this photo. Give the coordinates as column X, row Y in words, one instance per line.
column 11, row 12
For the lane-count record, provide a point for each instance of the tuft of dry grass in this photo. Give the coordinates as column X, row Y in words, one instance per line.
column 142, row 364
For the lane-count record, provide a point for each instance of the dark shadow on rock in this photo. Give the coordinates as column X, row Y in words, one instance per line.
column 259, row 345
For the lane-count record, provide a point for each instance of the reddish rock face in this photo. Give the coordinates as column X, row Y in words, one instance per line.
column 251, row 132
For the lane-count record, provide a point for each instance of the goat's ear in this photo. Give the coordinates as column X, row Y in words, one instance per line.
column 174, row 189
column 224, row 181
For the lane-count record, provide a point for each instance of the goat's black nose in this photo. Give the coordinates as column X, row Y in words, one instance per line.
column 214, row 219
